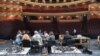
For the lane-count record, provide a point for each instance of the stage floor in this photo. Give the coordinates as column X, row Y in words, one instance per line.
column 93, row 47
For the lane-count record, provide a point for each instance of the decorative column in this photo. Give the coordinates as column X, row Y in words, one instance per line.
column 36, row 0
column 93, row 0
column 43, row 1
column 64, row 1
column 29, row 0
column 57, row 1
column 50, row 1
column 72, row 0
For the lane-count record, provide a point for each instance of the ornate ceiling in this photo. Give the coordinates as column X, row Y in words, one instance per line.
column 51, row 7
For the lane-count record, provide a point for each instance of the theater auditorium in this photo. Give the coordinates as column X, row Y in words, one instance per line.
column 49, row 27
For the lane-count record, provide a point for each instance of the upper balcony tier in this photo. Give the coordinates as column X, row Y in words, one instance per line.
column 56, row 9
column 53, row 2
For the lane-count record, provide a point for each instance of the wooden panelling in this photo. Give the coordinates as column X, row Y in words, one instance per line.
column 70, row 26
column 40, row 25
column 8, row 29
column 94, row 26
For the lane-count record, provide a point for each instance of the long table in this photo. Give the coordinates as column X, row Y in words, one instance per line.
column 74, row 50
column 24, row 51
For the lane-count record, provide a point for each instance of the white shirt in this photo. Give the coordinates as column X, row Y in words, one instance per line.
column 46, row 35
column 38, row 38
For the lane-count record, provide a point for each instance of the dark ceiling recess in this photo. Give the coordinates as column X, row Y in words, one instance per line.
column 60, row 1
column 40, row 1
column 53, row 1
column 75, row 0
column 32, row 0
column 47, row 1
column 98, row 0
column 68, row 0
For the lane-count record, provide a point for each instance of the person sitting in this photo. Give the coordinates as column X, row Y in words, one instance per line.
column 28, row 32
column 46, row 35
column 50, row 43
column 60, row 40
column 35, row 45
column 37, row 37
column 18, row 39
column 51, row 35
column 74, row 32
column 40, row 32
column 23, row 32
column 26, row 41
column 67, row 35
column 68, row 39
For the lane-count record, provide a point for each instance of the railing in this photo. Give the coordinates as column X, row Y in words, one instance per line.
column 55, row 10
column 55, row 14
column 55, row 4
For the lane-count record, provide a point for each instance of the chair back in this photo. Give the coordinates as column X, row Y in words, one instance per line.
column 35, row 42
column 26, row 43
